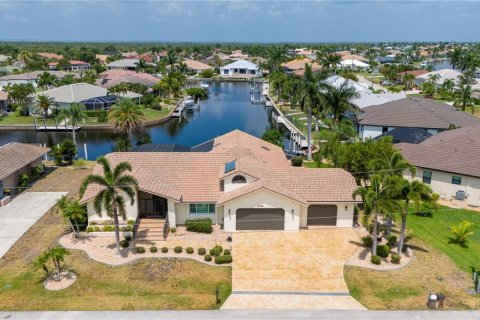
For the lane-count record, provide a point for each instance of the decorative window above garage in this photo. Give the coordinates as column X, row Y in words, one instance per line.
column 239, row 179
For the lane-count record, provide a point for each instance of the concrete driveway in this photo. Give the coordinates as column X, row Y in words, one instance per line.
column 292, row 270
column 20, row 214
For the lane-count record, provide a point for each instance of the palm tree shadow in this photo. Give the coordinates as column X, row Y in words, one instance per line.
column 412, row 246
column 459, row 243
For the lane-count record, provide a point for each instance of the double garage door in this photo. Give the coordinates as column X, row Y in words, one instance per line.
column 260, row 219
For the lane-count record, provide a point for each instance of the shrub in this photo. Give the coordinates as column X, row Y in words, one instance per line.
column 128, row 238
column 178, row 249
column 189, row 250
column 367, row 241
column 140, row 250
column 124, row 243
column 131, row 222
column 207, row 258
column 376, row 260
column 23, row 180
column 395, row 258
column 223, row 259
column 202, row 251
column 203, row 225
column 227, row 252
column 36, row 171
column 126, row 228
column 461, row 232
column 153, row 249
column 297, row 161
column 173, row 229
column 164, row 250
column 273, row 136
column 216, row 251
column 426, row 209
column 108, row 228
column 93, row 229
column 383, row 250
column 391, row 241
column 68, row 151
column 208, row 73
column 79, row 163
column 404, row 248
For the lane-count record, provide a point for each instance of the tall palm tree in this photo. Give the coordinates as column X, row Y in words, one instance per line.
column 73, row 213
column 126, row 116
column 114, row 185
column 46, row 79
column 338, row 100
column 410, row 191
column 463, row 97
column 141, row 65
column 76, row 113
column 408, row 80
column 378, row 199
column 455, row 58
column 43, row 105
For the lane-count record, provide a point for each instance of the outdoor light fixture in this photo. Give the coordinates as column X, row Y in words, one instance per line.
column 228, row 212
column 346, row 208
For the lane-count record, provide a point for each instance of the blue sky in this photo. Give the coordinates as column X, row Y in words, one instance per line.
column 240, row 21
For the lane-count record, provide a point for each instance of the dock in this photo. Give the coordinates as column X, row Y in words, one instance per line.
column 57, row 128
column 179, row 109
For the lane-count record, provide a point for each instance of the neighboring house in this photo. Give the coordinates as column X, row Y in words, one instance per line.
column 18, row 158
column 125, row 64
column 241, row 182
column 357, row 64
column 222, row 56
column 448, row 162
column 30, row 77
column 110, row 78
column 406, row 135
column 93, row 97
column 102, row 58
column 238, row 55
column 297, row 66
column 75, row 65
column 442, row 75
column 387, row 59
column 415, row 73
column 3, row 58
column 50, row 56
column 354, row 57
column 412, row 113
column 4, row 101
column 241, row 68
column 197, row 66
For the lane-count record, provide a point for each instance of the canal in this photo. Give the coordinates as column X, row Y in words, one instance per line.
column 227, row 108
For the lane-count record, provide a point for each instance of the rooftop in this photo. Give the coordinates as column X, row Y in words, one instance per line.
column 15, row 155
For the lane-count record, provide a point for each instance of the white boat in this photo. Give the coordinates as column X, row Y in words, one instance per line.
column 205, row 86
column 188, row 102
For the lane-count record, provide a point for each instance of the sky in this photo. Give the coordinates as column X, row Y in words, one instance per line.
column 240, row 21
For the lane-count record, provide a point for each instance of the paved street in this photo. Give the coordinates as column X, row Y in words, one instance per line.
column 20, row 214
column 243, row 314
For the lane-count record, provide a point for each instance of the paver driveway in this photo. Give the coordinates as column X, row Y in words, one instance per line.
column 292, row 269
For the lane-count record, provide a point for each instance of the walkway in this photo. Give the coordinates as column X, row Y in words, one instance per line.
column 292, row 270
column 20, row 214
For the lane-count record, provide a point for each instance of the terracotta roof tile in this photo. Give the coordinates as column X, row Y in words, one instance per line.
column 15, row 155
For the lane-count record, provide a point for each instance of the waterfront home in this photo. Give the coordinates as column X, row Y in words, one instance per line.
column 412, row 113
column 75, row 66
column 125, row 64
column 442, row 75
column 241, row 68
column 356, row 57
column 16, row 159
column 196, row 66
column 297, row 66
column 354, row 64
column 93, row 97
column 29, row 77
column 238, row 181
column 449, row 162
column 111, row 78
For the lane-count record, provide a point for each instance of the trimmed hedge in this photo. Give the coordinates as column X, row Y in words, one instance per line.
column 178, row 249
column 216, row 251
column 203, row 225
column 207, row 258
column 189, row 250
column 124, row 243
column 153, row 249
column 367, row 241
column 140, row 250
column 227, row 252
column 391, row 241
column 395, row 258
column 223, row 259
column 173, row 229
column 383, row 250
column 202, row 251
column 376, row 260
column 164, row 250
column 297, row 161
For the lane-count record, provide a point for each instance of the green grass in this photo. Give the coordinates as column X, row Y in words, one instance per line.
column 150, row 114
column 436, row 232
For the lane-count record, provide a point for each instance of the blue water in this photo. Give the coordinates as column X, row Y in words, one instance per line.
column 227, row 108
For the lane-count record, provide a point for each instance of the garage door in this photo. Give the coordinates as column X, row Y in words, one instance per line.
column 260, row 219
column 322, row 215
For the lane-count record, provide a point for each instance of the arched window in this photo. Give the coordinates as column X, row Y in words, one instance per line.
column 239, row 179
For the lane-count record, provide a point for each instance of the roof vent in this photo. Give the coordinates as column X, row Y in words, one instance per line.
column 230, row 166
column 265, row 148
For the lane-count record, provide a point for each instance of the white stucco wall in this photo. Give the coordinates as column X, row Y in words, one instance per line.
column 182, row 213
column 442, row 184
column 262, row 199
column 132, row 211
column 229, row 186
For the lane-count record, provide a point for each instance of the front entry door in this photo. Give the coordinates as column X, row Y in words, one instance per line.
column 159, row 207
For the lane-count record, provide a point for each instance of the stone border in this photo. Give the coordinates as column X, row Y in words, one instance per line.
column 386, row 265
column 66, row 280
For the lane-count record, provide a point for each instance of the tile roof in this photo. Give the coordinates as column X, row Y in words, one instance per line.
column 110, row 78
column 197, row 65
column 416, row 73
column 33, row 75
column 15, row 155
column 297, row 64
column 48, row 55
column 195, row 176
column 416, row 113
column 455, row 151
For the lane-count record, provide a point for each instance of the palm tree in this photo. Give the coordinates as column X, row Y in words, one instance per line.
column 141, row 65
column 447, row 87
column 408, row 80
column 114, row 184
column 73, row 213
column 46, row 79
column 455, row 58
column 43, row 105
column 126, row 116
column 463, row 97
column 330, row 61
column 378, row 199
column 337, row 100
column 57, row 254
column 76, row 113
column 410, row 191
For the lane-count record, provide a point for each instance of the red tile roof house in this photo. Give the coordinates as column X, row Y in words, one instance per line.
column 110, row 78
column 75, row 65
column 448, row 162
column 242, row 183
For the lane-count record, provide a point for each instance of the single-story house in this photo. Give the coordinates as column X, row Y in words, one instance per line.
column 197, row 66
column 442, row 75
column 4, row 101
column 75, row 65
column 29, row 77
column 412, row 113
column 125, row 64
column 297, row 66
column 102, row 58
column 222, row 56
column 357, row 64
column 241, row 183
column 110, row 78
column 415, row 73
column 406, row 135
column 50, row 56
column 93, row 97
column 17, row 158
column 241, row 68
column 238, row 55
column 353, row 57
column 448, row 162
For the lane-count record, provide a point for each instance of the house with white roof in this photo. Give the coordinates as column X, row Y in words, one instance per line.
column 442, row 75
column 241, row 68
column 354, row 64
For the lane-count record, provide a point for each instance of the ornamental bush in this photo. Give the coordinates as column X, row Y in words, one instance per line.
column 223, row 259
column 153, row 249
column 395, row 258
column 140, row 250
column 178, row 249
column 216, row 251
column 164, row 250
column 203, row 225
column 367, row 241
column 207, row 258
column 376, row 260
column 202, row 251
column 226, row 252
column 124, row 243
column 189, row 250
column 383, row 250
column 297, row 161
column 391, row 240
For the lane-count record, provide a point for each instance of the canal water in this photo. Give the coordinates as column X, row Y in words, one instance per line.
column 227, row 108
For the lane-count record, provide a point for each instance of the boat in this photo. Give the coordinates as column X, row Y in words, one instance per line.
column 205, row 85
column 188, row 102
